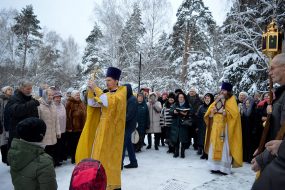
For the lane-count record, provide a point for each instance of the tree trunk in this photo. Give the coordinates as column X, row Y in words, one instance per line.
column 25, row 55
column 186, row 54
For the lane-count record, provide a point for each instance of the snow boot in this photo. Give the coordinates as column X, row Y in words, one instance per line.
column 182, row 152
column 199, row 152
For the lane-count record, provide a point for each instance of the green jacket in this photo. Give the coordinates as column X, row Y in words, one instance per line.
column 31, row 167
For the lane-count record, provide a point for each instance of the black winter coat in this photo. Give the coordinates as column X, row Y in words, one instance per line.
column 179, row 132
column 131, row 115
column 201, row 125
column 272, row 176
column 17, row 109
column 143, row 117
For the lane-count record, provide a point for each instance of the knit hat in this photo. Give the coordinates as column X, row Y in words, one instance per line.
column 31, row 129
column 227, row 86
column 114, row 73
column 5, row 88
column 57, row 94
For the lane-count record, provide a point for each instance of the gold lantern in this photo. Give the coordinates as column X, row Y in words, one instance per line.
column 272, row 40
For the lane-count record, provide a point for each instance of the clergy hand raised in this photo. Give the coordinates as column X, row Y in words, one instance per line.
column 91, row 85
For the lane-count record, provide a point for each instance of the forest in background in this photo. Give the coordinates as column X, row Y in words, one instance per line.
column 194, row 52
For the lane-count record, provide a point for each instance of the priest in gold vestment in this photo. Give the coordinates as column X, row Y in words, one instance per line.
column 103, row 134
column 223, row 141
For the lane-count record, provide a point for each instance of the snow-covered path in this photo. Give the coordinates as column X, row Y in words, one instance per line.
column 160, row 171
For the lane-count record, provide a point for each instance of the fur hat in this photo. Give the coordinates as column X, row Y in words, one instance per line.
column 114, row 73
column 31, row 129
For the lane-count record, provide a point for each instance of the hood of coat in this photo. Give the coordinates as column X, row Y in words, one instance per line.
column 129, row 90
column 23, row 153
column 4, row 97
column 152, row 94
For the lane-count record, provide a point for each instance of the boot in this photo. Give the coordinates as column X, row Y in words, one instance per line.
column 131, row 165
column 204, row 155
column 182, row 152
column 176, row 152
column 148, row 147
column 170, row 149
column 199, row 152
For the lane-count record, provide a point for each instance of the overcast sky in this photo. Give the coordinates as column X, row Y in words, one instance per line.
column 74, row 17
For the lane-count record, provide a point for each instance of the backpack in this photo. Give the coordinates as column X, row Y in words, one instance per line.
column 89, row 174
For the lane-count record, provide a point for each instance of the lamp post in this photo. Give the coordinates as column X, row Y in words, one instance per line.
column 271, row 46
column 140, row 68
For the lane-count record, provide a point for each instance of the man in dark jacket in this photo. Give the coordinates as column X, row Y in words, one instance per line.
column 131, row 122
column 272, row 161
column 195, row 102
column 31, row 167
column 21, row 106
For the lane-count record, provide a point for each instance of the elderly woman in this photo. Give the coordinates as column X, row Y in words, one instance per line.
column 154, row 109
column 4, row 98
column 61, row 152
column 75, row 115
column 48, row 113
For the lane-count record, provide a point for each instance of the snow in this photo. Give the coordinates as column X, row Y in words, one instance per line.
column 160, row 171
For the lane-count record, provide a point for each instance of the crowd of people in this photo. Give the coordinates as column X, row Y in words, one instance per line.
column 222, row 128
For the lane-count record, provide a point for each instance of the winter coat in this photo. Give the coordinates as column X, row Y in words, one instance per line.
column 61, row 113
column 248, row 122
column 165, row 117
column 154, row 117
column 76, row 115
column 278, row 112
column 272, row 177
column 4, row 136
column 143, row 117
column 273, row 167
column 201, row 125
column 132, row 107
column 179, row 132
column 18, row 108
column 194, row 102
column 31, row 167
column 49, row 115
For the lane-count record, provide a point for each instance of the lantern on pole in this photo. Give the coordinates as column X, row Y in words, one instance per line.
column 271, row 46
column 272, row 40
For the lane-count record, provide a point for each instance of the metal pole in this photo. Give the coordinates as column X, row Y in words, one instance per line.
column 140, row 68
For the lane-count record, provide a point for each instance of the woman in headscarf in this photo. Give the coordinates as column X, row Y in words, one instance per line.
column 207, row 101
column 48, row 113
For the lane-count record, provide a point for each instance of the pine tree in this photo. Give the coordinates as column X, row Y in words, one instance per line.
column 129, row 43
column 245, row 66
column 191, row 32
column 94, row 57
column 27, row 30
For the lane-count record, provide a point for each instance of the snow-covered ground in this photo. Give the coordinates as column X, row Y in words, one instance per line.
column 160, row 171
